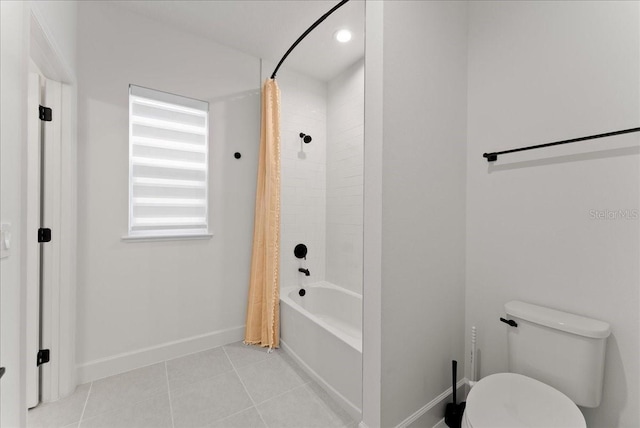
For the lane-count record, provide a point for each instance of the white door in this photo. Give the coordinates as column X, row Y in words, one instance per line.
column 42, row 259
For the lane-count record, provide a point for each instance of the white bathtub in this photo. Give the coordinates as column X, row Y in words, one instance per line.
column 322, row 331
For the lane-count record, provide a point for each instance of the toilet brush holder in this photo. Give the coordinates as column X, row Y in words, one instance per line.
column 453, row 412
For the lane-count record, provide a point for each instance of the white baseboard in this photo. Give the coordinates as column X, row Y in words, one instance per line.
column 347, row 405
column 433, row 405
column 104, row 367
column 440, row 424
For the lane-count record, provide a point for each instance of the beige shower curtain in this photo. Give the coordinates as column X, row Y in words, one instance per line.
column 263, row 311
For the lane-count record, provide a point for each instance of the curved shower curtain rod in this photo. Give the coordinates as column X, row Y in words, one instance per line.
column 310, row 29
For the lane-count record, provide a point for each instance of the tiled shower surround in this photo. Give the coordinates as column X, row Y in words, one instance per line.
column 345, row 157
column 322, row 182
column 303, row 180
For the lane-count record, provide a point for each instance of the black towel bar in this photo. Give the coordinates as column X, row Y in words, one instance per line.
column 493, row 156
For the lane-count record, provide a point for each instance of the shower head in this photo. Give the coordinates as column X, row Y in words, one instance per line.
column 306, row 138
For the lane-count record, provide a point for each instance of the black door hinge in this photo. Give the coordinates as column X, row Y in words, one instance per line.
column 44, row 113
column 2, row 370
column 44, row 234
column 43, row 356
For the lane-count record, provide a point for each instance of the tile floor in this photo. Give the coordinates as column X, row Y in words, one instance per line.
column 234, row 386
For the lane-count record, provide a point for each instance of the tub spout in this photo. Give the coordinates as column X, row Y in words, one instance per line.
column 304, row 271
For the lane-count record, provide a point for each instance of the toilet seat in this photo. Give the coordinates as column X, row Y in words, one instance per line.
column 510, row 400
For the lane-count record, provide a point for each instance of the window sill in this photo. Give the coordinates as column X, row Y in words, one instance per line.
column 150, row 238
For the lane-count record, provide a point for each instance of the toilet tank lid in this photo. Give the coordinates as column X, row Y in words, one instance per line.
column 558, row 320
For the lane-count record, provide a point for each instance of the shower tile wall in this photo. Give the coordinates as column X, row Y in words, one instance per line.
column 345, row 144
column 303, row 204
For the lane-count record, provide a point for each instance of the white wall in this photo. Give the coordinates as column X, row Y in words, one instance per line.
column 139, row 302
column 372, row 217
column 345, row 145
column 13, row 62
column 539, row 72
column 423, row 202
column 303, row 175
column 58, row 20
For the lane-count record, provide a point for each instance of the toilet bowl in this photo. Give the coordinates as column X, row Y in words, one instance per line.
column 511, row 400
column 555, row 363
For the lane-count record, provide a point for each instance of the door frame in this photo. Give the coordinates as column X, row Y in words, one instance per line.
column 32, row 222
column 59, row 301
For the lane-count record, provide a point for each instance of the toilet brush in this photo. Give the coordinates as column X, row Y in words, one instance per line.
column 453, row 412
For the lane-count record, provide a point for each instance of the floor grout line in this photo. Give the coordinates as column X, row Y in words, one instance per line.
column 282, row 393
column 236, row 413
column 245, row 387
column 316, row 397
column 85, row 405
column 134, row 401
column 166, row 371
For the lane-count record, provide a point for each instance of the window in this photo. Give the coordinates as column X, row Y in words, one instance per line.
column 168, row 164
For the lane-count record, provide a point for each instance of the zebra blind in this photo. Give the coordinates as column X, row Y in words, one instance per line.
column 168, row 164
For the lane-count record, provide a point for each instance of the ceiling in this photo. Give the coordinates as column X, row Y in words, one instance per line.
column 267, row 28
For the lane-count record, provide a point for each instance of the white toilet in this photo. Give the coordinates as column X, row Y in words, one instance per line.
column 556, row 362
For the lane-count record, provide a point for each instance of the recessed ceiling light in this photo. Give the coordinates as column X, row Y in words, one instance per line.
column 343, row 36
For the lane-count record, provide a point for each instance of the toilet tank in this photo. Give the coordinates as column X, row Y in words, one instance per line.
column 560, row 349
